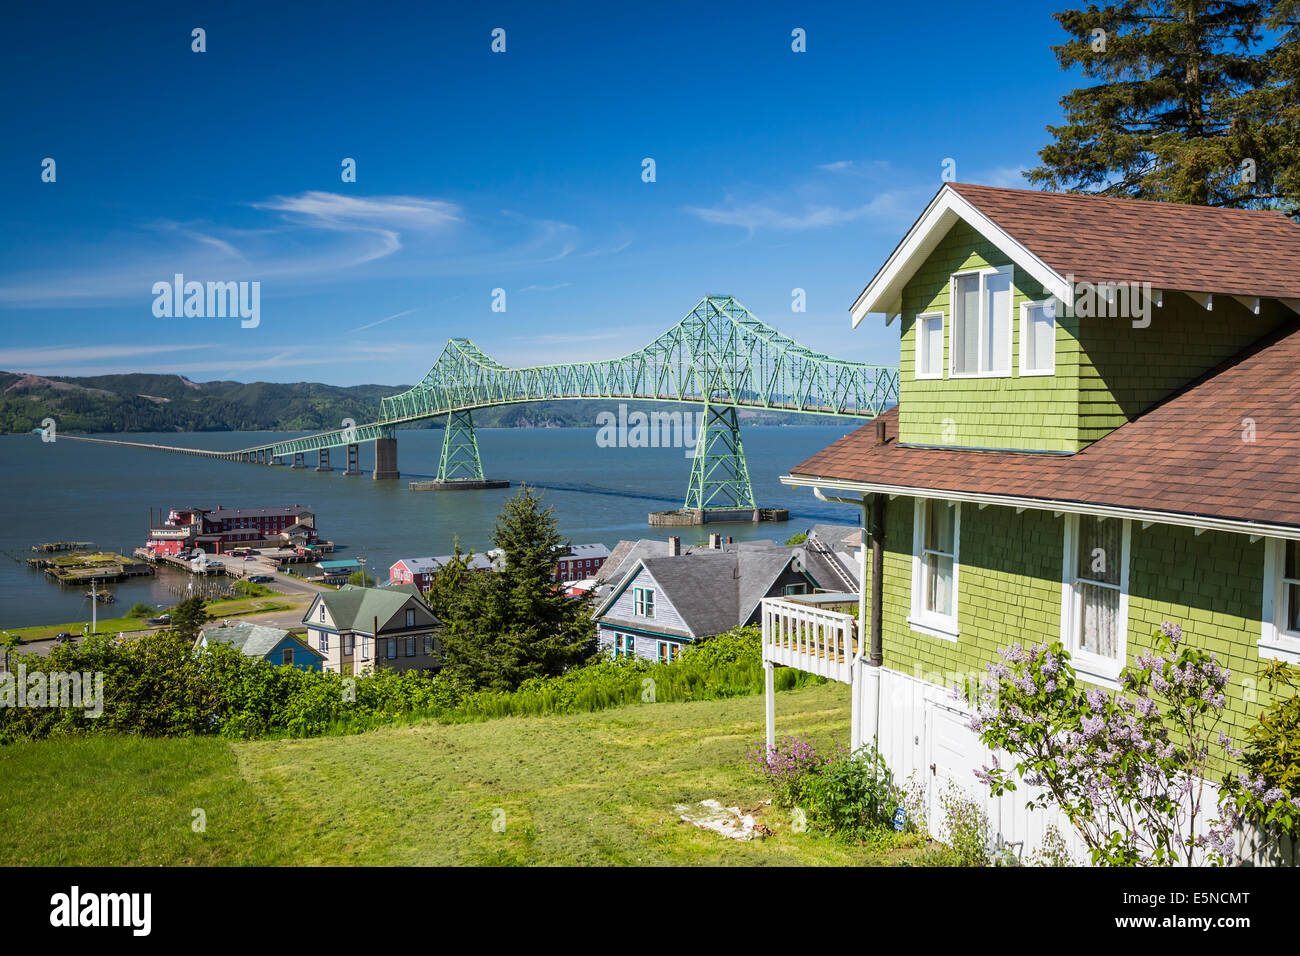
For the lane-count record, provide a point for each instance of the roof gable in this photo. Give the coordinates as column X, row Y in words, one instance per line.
column 1053, row 236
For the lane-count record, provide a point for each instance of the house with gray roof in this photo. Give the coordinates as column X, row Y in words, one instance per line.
column 264, row 643
column 358, row 630
column 659, row 603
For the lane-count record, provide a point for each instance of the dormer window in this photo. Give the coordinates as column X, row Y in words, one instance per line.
column 981, row 323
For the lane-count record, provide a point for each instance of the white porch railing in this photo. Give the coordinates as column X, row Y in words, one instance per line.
column 809, row 638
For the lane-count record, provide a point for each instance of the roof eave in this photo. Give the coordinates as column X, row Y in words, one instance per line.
column 1146, row 515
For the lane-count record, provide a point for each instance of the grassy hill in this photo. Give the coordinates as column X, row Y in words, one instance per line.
column 590, row 789
column 162, row 403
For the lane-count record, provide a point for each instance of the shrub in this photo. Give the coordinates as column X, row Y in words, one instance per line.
column 789, row 767
column 1128, row 770
column 853, row 794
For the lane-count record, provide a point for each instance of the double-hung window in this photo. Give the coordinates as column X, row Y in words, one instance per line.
column 1094, row 595
column 392, row 648
column 643, row 602
column 1280, row 634
column 981, row 323
column 929, row 345
column 935, row 544
column 1038, row 338
column 410, row 617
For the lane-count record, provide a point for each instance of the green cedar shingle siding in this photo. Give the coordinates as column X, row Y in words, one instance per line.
column 1107, row 371
column 1009, row 590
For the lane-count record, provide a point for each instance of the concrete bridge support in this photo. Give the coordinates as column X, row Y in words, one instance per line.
column 298, row 460
column 323, row 460
column 386, row 459
column 354, row 460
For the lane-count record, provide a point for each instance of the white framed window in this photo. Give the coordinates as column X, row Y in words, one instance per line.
column 1038, row 337
column 929, row 345
column 349, row 643
column 936, row 537
column 1279, row 637
column 286, row 656
column 794, row 589
column 668, row 652
column 643, row 602
column 322, row 612
column 324, row 641
column 1094, row 596
column 365, row 648
column 980, row 340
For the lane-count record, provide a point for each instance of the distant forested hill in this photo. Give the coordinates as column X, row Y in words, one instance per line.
column 162, row 403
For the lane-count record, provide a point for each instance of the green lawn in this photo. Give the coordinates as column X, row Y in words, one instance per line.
column 585, row 789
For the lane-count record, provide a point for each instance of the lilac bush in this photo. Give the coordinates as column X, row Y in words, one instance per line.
column 1130, row 769
column 788, row 766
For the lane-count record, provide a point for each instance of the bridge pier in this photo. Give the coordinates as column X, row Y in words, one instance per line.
column 323, row 460
column 275, row 459
column 298, row 460
column 385, row 459
column 354, row 460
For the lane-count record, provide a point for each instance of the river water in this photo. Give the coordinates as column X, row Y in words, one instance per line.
column 77, row 491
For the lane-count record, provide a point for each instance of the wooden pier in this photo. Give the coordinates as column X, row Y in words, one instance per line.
column 83, row 567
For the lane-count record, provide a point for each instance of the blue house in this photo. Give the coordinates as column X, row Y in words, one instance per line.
column 262, row 642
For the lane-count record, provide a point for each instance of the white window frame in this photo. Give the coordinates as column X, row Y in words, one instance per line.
column 1024, row 334
column 1093, row 667
column 921, row 620
column 1275, row 641
column 643, row 602
column 929, row 373
column 324, row 640
column 982, row 321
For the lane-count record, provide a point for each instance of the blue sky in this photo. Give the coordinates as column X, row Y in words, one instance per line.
column 476, row 170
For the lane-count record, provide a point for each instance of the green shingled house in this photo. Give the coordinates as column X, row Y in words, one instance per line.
column 1097, row 431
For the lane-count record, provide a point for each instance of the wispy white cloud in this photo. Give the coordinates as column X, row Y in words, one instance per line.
column 762, row 215
column 335, row 211
column 390, row 318
column 545, row 288
column 29, row 359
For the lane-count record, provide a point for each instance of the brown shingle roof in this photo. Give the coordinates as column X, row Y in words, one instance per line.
column 1186, row 455
column 1171, row 245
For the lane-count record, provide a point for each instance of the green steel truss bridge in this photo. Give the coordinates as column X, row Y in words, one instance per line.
column 718, row 358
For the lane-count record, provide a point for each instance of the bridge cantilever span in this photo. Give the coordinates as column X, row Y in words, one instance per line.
column 719, row 357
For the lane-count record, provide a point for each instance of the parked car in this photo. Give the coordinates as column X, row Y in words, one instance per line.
column 261, row 579
column 165, row 619
column 63, row 636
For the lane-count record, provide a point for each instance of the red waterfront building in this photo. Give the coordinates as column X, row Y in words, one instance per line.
column 214, row 529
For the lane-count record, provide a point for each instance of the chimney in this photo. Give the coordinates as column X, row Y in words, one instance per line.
column 880, row 431
column 715, row 541
column 674, row 546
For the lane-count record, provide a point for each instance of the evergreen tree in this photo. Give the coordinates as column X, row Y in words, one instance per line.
column 188, row 618
column 449, row 584
column 1188, row 105
column 516, row 623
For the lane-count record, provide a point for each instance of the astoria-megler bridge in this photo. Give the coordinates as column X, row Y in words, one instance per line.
column 719, row 357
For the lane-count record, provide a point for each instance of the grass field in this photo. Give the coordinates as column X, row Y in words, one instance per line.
column 231, row 607
column 587, row 789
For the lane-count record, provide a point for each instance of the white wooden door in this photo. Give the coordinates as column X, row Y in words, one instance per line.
column 955, row 753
